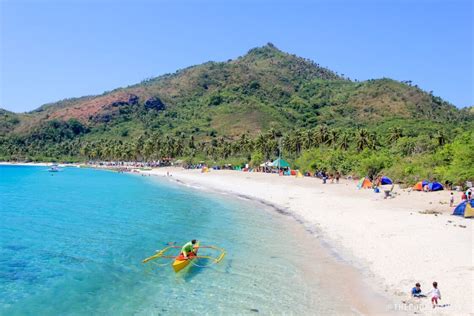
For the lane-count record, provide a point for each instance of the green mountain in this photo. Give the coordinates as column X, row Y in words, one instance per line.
column 263, row 89
column 207, row 107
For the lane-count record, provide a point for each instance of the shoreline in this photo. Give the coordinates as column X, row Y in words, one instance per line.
column 340, row 276
column 346, row 234
column 393, row 243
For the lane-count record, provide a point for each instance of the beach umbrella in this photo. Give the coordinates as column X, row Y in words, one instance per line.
column 280, row 163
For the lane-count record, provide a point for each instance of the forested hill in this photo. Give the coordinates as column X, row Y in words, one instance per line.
column 198, row 110
column 264, row 88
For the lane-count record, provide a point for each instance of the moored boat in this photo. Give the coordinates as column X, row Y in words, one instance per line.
column 54, row 168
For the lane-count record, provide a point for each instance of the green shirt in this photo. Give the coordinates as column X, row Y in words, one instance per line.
column 187, row 248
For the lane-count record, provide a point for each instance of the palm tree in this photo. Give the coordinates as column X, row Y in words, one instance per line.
column 345, row 141
column 308, row 139
column 333, row 136
column 321, row 134
column 362, row 139
column 373, row 141
column 261, row 143
column 287, row 143
column 148, row 148
column 298, row 140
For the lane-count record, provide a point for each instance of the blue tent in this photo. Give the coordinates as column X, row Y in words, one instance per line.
column 435, row 186
column 465, row 209
column 386, row 180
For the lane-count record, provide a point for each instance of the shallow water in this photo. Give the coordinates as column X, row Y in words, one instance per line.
column 71, row 243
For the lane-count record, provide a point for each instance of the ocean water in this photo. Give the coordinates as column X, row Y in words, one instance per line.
column 72, row 242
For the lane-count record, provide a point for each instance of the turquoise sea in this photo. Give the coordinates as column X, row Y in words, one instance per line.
column 72, row 242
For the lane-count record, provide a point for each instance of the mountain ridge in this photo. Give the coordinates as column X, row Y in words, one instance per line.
column 271, row 87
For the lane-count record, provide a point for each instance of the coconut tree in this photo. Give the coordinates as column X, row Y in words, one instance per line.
column 333, row 136
column 321, row 134
column 362, row 139
column 345, row 141
column 298, row 140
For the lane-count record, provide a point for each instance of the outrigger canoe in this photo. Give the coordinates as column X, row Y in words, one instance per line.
column 181, row 262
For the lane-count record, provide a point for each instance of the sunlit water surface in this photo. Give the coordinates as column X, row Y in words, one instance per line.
column 72, row 242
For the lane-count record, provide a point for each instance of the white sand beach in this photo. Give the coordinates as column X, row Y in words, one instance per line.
column 395, row 242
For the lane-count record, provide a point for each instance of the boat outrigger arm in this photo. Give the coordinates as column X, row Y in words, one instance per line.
column 180, row 262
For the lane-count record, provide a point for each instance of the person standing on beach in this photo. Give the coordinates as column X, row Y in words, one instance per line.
column 338, row 175
column 451, row 200
column 435, row 294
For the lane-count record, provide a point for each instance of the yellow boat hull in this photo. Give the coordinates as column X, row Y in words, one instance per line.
column 180, row 262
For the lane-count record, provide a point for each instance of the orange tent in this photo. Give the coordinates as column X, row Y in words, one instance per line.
column 364, row 184
column 419, row 186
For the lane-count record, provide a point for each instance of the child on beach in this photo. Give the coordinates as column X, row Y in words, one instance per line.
column 416, row 291
column 451, row 200
column 435, row 294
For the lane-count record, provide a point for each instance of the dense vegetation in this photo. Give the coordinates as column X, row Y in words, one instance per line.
column 238, row 112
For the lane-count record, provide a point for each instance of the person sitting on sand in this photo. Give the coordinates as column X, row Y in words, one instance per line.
column 189, row 248
column 416, row 291
column 435, row 294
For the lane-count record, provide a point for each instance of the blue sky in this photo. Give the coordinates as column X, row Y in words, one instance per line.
column 51, row 50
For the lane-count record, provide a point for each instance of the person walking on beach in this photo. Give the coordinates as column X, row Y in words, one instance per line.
column 189, row 248
column 451, row 200
column 435, row 294
column 338, row 175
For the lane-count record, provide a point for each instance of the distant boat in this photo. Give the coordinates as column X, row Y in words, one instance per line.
column 54, row 168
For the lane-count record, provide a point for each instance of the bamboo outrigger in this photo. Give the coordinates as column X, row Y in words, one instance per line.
column 180, row 262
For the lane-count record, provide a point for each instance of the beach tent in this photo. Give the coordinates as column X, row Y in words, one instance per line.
column 280, row 163
column 435, row 186
column 419, row 186
column 204, row 169
column 299, row 174
column 385, row 180
column 465, row 209
column 364, row 183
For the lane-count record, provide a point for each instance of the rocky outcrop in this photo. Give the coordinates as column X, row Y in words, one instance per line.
column 132, row 100
column 155, row 103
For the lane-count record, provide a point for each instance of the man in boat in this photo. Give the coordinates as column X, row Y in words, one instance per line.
column 189, row 248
